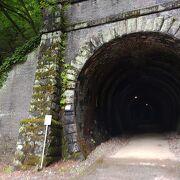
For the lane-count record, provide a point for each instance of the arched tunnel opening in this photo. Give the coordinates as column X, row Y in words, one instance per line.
column 130, row 85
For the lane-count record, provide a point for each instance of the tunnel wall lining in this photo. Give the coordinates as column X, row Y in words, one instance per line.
column 166, row 25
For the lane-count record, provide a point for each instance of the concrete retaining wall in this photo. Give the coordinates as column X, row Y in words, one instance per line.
column 15, row 97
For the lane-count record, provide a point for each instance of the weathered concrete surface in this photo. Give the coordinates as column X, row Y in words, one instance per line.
column 78, row 38
column 96, row 9
column 145, row 157
column 15, row 97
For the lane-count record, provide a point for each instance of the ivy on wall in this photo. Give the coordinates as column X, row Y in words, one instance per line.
column 64, row 68
column 62, row 46
column 19, row 56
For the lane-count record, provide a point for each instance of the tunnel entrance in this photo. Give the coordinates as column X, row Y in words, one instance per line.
column 131, row 84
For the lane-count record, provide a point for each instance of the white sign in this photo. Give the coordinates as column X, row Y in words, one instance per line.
column 67, row 107
column 47, row 122
column 48, row 119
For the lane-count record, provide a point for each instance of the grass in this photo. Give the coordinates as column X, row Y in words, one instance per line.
column 8, row 169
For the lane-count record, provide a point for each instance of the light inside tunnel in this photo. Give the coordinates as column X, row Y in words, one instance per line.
column 131, row 84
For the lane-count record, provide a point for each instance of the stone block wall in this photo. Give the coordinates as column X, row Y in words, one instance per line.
column 87, row 31
column 78, row 35
column 30, row 143
column 70, row 130
column 45, row 101
column 89, row 13
column 85, row 40
column 46, row 89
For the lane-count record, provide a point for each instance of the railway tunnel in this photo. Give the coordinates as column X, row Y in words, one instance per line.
column 130, row 85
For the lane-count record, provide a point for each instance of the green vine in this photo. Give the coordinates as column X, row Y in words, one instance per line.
column 64, row 69
column 64, row 84
column 47, row 3
column 63, row 74
column 19, row 56
column 64, row 66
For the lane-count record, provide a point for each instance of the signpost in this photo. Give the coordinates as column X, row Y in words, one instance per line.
column 47, row 122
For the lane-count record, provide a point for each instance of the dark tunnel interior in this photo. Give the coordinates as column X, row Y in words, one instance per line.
column 130, row 85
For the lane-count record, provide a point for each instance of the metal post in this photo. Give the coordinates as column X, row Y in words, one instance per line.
column 44, row 147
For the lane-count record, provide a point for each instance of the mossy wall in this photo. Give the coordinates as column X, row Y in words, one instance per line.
column 47, row 98
column 46, row 89
column 30, row 143
column 45, row 101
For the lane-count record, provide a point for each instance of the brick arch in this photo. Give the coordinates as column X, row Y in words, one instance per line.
column 169, row 26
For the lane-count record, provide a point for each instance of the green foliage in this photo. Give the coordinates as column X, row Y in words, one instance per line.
column 64, row 23
column 47, row 3
column 64, row 69
column 64, row 82
column 20, row 21
column 8, row 169
column 39, row 122
column 19, row 56
column 64, row 66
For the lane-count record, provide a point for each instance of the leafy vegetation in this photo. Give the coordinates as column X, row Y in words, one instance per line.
column 19, row 56
column 20, row 24
column 64, row 69
column 20, row 21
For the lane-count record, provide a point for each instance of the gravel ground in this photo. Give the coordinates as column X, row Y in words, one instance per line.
column 174, row 144
column 55, row 171
column 71, row 169
column 108, row 147
column 65, row 169
column 145, row 157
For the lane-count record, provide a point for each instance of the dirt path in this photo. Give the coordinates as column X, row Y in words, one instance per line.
column 149, row 146
column 145, row 157
column 142, row 157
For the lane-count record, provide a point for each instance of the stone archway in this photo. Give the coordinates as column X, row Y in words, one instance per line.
column 161, row 32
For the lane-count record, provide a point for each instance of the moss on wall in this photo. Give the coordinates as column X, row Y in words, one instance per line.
column 48, row 98
column 30, row 142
